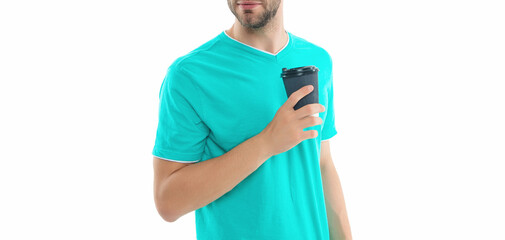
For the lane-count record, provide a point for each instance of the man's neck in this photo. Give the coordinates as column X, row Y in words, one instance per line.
column 271, row 39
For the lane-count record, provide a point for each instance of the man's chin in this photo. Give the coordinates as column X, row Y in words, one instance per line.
column 249, row 20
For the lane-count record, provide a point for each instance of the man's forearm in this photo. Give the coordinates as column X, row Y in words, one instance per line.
column 336, row 212
column 199, row 184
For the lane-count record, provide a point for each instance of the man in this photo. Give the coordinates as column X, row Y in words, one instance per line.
column 230, row 145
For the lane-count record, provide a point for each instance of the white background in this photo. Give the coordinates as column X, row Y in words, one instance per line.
column 419, row 103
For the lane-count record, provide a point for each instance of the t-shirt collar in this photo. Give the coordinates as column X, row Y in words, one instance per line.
column 257, row 51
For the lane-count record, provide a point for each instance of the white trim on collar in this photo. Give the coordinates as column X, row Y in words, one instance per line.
column 289, row 39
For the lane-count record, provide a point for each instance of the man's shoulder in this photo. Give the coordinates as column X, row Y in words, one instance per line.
column 197, row 54
column 305, row 44
column 314, row 48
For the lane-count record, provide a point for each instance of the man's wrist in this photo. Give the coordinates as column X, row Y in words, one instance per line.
column 263, row 146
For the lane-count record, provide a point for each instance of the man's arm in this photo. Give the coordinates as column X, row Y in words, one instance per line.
column 338, row 221
column 191, row 186
column 179, row 189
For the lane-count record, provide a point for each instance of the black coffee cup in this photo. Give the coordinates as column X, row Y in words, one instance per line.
column 296, row 78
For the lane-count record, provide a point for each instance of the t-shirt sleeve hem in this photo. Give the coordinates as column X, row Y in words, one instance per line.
column 176, row 156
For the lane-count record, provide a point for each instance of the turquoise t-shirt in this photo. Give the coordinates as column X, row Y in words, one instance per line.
column 225, row 92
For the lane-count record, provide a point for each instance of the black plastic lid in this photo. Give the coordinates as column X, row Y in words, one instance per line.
column 299, row 71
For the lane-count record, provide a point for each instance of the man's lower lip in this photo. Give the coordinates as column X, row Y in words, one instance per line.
column 248, row 6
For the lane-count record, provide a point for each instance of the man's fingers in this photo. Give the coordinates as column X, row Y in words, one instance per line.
column 298, row 94
column 309, row 134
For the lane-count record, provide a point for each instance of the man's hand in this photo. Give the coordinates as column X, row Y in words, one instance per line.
column 286, row 129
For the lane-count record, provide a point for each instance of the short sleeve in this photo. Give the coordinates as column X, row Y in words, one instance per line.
column 329, row 129
column 181, row 133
